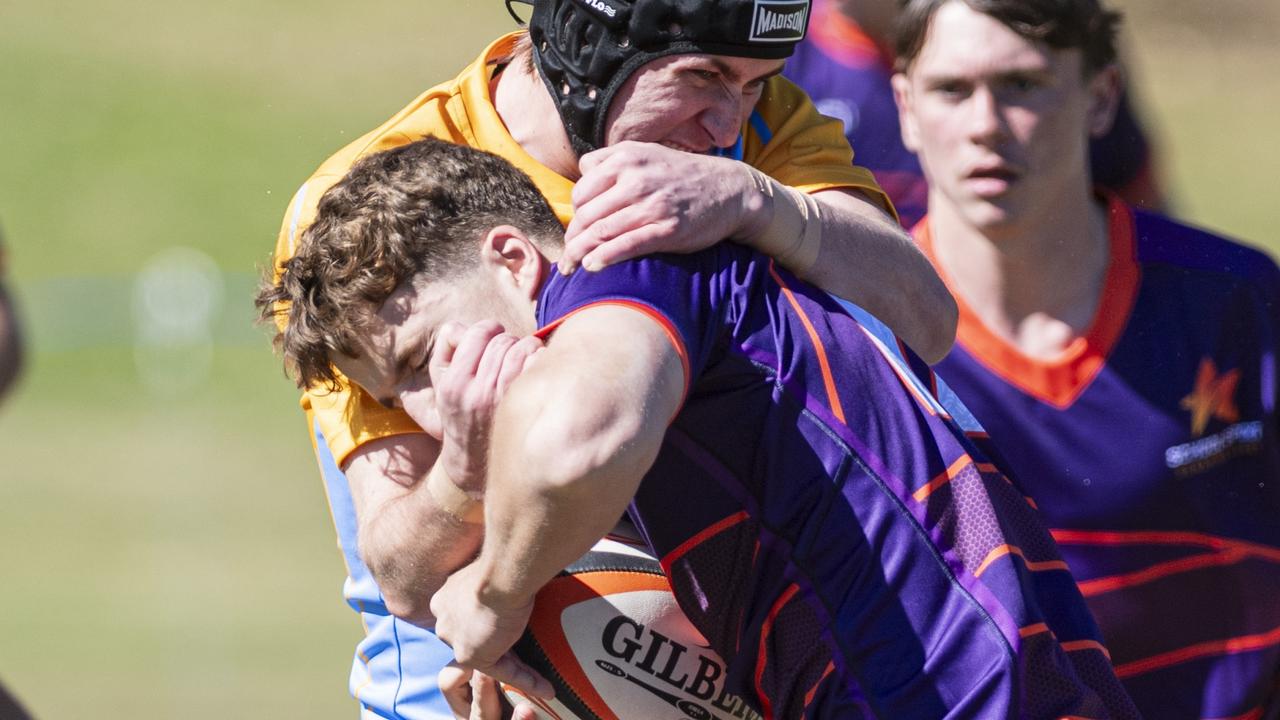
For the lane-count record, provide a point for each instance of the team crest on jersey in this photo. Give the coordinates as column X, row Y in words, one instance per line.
column 779, row 20
column 1213, row 398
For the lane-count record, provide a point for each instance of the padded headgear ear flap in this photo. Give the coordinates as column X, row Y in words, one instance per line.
column 586, row 49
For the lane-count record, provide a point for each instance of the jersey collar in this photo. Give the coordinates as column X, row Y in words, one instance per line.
column 476, row 116
column 1057, row 381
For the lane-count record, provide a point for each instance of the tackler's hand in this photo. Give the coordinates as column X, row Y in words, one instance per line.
column 482, row 633
column 472, row 695
column 469, row 370
column 639, row 198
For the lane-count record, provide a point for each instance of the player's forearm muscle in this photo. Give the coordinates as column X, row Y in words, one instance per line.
column 572, row 441
column 408, row 543
column 867, row 259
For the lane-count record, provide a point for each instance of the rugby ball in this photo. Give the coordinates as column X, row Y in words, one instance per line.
column 609, row 636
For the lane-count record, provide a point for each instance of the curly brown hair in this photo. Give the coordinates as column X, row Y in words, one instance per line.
column 416, row 210
column 1061, row 24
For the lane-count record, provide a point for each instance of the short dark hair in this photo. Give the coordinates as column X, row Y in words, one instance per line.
column 1060, row 24
column 415, row 210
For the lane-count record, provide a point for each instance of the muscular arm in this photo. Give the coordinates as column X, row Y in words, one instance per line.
column 407, row 541
column 640, row 198
column 414, row 520
column 867, row 259
column 572, row 440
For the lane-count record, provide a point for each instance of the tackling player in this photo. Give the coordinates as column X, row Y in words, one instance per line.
column 621, row 112
column 1124, row 364
column 823, row 522
column 846, row 64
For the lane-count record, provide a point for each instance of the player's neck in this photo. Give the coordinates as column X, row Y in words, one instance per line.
column 527, row 110
column 1036, row 283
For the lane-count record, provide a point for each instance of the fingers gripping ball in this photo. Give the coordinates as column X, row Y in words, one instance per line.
column 609, row 636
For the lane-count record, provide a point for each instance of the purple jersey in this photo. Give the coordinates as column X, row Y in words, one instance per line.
column 1152, row 448
column 846, row 73
column 827, row 526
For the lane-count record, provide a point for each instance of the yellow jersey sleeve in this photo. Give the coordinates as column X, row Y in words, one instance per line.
column 786, row 138
column 346, row 416
column 459, row 111
column 789, row 140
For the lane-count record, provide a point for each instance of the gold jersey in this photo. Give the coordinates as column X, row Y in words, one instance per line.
column 785, row 138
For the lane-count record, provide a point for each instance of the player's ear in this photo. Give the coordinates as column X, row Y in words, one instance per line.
column 512, row 257
column 906, row 118
column 1104, row 88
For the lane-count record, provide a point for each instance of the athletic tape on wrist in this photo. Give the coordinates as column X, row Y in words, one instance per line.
column 454, row 500
column 793, row 236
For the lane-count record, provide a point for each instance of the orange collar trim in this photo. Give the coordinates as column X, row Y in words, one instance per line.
column 1061, row 380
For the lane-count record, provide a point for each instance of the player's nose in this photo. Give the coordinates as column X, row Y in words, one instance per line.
column 723, row 122
column 984, row 119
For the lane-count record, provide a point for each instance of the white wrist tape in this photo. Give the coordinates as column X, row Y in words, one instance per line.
column 454, row 500
column 793, row 236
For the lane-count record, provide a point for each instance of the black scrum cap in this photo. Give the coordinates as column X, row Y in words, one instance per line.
column 586, row 49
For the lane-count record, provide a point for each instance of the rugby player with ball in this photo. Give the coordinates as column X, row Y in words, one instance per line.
column 824, row 522
column 650, row 125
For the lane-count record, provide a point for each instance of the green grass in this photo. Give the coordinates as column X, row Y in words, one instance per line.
column 1207, row 73
column 171, row 555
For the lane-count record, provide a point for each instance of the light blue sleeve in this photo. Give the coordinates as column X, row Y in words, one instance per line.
column 393, row 673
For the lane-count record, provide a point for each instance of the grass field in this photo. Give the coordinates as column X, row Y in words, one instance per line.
column 166, row 544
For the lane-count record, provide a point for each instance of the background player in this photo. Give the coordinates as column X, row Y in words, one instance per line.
column 656, row 105
column 1125, row 365
column 10, row 336
column 846, row 64
column 823, row 523
column 10, row 365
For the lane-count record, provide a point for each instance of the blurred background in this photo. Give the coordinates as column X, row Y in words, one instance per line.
column 165, row 543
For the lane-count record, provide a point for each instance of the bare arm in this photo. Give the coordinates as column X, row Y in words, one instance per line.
column 572, row 441
column 409, row 543
column 867, row 259
column 415, row 496
column 639, row 198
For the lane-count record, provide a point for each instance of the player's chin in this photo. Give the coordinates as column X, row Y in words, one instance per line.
column 988, row 216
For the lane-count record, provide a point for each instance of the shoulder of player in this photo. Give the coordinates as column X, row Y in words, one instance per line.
column 425, row 116
column 707, row 261
column 1161, row 240
column 658, row 281
column 783, row 108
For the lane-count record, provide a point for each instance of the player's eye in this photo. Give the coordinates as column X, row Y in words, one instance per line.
column 950, row 89
column 1021, row 84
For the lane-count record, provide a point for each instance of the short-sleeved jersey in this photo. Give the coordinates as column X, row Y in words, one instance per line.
column 1152, row 448
column 847, row 74
column 394, row 670
column 826, row 525
column 784, row 138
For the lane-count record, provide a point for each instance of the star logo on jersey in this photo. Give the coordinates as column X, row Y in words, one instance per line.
column 1213, row 396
